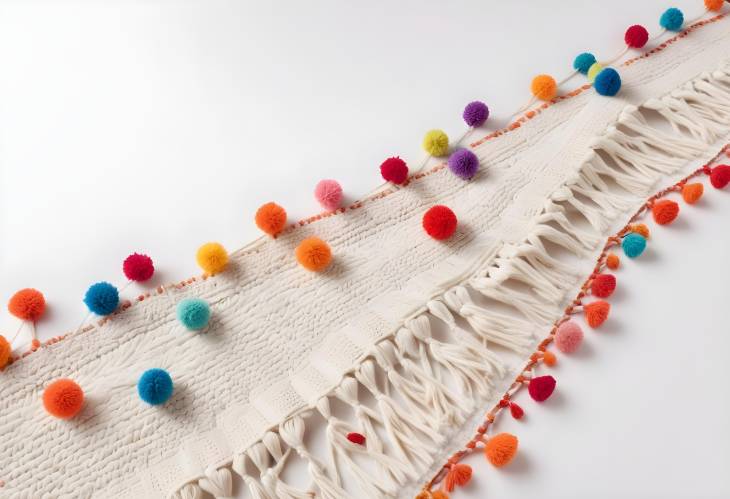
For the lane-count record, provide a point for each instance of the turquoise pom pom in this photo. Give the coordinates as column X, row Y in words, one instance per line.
column 194, row 313
column 607, row 82
column 583, row 62
column 672, row 19
column 633, row 244
column 155, row 386
column 102, row 298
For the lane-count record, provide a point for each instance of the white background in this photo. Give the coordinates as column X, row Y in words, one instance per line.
column 156, row 126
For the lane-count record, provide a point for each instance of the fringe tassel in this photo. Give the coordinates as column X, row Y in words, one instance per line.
column 274, row 486
column 239, row 466
column 217, row 483
column 189, row 491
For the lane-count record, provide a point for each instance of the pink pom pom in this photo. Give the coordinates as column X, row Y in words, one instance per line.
column 138, row 267
column 328, row 194
column 568, row 337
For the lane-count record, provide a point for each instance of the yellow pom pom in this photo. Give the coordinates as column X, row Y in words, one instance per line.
column 594, row 70
column 212, row 258
column 544, row 87
column 436, row 143
column 6, row 352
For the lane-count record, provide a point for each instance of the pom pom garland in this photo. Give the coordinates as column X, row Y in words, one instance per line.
column 138, row 268
column 636, row 36
column 633, row 244
column 436, row 143
column 475, row 113
column 328, row 194
column 63, row 399
column 544, row 87
column 596, row 313
column 194, row 313
column 212, row 258
column 593, row 71
column 501, row 449
column 691, row 193
column 613, row 261
column 6, row 352
column 155, row 386
column 720, row 176
column 27, row 304
column 314, row 254
column 394, row 170
column 714, row 5
column 439, row 222
column 356, row 438
column 607, row 82
column 568, row 337
column 271, row 218
column 603, row 285
column 102, row 298
column 665, row 211
column 583, row 62
column 541, row 387
column 464, row 164
column 672, row 19
column 457, row 476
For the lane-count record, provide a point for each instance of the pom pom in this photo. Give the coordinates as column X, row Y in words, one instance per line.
column 27, row 304
column 672, row 19
column 464, row 164
column 328, row 194
column 593, row 71
column 549, row 358
column 596, row 313
column 458, row 476
column 541, row 387
column 607, row 82
column 691, row 193
column 63, row 399
column 155, row 386
column 394, row 170
column 314, row 254
column 720, row 176
column 613, row 261
column 501, row 449
column 439, row 222
column 603, row 285
column 6, row 352
column 439, row 494
column 544, row 87
column 568, row 337
column 641, row 229
column 212, row 258
column 633, row 244
column 194, row 313
column 714, row 5
column 138, row 267
column 636, row 36
column 475, row 113
column 665, row 211
column 583, row 62
column 436, row 143
column 356, row 438
column 516, row 411
column 102, row 298
column 271, row 218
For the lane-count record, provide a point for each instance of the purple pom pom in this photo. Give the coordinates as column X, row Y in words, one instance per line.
column 463, row 163
column 476, row 113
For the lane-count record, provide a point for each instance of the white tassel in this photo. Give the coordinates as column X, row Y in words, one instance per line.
column 274, row 486
column 526, row 304
column 189, row 491
column 256, row 489
column 218, row 483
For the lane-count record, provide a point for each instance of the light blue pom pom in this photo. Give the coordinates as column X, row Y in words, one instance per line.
column 583, row 62
column 102, row 298
column 194, row 313
column 633, row 244
column 155, row 386
column 607, row 82
column 672, row 19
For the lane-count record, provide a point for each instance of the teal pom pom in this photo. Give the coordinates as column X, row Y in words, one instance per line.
column 633, row 244
column 194, row 313
column 672, row 19
column 583, row 62
column 102, row 298
column 607, row 82
column 155, row 386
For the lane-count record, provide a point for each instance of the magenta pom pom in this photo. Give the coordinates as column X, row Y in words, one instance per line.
column 394, row 170
column 568, row 337
column 464, row 164
column 138, row 267
column 328, row 194
column 636, row 36
column 475, row 113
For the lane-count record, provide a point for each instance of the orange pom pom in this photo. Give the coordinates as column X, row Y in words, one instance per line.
column 549, row 358
column 439, row 494
column 271, row 218
column 714, row 5
column 596, row 313
column 613, row 261
column 691, row 193
column 314, row 254
column 544, row 87
column 640, row 229
column 501, row 449
column 458, row 476
column 63, row 398
column 665, row 211
column 27, row 304
column 6, row 352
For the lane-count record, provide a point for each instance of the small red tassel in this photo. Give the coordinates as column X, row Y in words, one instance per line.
column 458, row 476
column 356, row 438
column 516, row 411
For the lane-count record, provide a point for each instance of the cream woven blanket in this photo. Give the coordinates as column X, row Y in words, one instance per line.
column 410, row 338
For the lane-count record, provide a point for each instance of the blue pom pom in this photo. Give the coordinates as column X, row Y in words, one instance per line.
column 633, row 244
column 583, row 62
column 607, row 82
column 155, row 386
column 194, row 313
column 102, row 298
column 672, row 19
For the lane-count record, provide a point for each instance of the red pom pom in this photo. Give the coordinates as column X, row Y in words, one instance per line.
column 603, row 285
column 439, row 222
column 516, row 411
column 356, row 438
column 665, row 211
column 720, row 176
column 138, row 267
column 27, row 304
column 541, row 388
column 636, row 36
column 596, row 313
column 394, row 170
